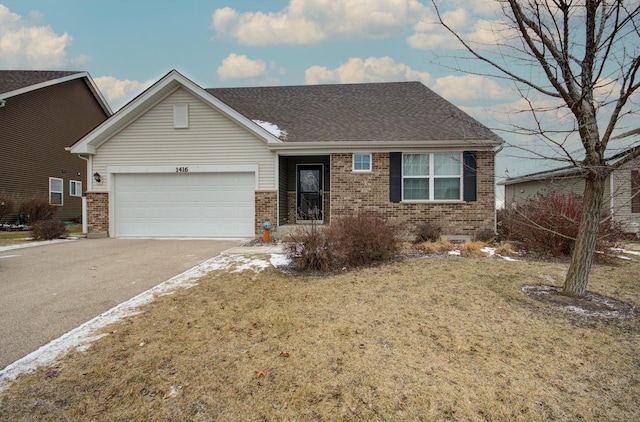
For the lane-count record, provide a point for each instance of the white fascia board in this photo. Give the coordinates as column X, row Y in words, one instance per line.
column 289, row 148
column 98, row 94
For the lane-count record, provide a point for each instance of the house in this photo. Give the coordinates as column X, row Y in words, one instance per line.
column 621, row 194
column 183, row 161
column 42, row 113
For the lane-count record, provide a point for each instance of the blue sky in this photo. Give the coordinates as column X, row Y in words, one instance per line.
column 128, row 44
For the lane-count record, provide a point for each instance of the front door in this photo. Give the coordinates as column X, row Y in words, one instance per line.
column 310, row 191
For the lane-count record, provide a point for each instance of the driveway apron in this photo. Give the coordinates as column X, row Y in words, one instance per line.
column 46, row 291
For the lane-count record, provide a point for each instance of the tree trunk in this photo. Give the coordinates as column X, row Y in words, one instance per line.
column 584, row 248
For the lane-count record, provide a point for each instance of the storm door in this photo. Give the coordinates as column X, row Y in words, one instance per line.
column 310, row 192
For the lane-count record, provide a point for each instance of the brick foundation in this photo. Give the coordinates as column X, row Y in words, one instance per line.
column 97, row 214
column 266, row 208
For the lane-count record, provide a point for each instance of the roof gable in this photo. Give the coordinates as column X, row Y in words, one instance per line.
column 383, row 112
column 148, row 99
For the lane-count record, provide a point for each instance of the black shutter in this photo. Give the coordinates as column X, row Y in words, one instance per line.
column 469, row 172
column 395, row 176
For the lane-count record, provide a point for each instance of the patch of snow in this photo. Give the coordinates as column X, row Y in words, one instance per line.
column 454, row 253
column 625, row 251
column 279, row 260
column 81, row 337
column 32, row 244
column 272, row 128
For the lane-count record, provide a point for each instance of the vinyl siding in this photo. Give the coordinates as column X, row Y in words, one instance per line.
column 622, row 197
column 35, row 129
column 211, row 139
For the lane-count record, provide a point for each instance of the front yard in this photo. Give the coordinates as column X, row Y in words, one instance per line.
column 439, row 338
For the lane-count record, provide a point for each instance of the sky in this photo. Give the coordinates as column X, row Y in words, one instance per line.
column 126, row 45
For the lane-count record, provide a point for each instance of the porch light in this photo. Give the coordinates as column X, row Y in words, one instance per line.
column 96, row 177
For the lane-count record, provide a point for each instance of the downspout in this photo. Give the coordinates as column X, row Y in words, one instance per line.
column 85, row 224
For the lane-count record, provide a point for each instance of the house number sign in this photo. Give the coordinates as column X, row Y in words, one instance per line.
column 182, row 169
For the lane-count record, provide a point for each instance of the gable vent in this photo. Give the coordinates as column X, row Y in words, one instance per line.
column 180, row 116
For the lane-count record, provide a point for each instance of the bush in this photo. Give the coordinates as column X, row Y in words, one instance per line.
column 485, row 235
column 350, row 241
column 7, row 207
column 37, row 209
column 437, row 247
column 428, row 232
column 547, row 224
column 48, row 230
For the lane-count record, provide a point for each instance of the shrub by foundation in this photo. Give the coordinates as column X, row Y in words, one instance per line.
column 350, row 241
column 428, row 232
column 7, row 208
column 37, row 209
column 48, row 230
column 472, row 249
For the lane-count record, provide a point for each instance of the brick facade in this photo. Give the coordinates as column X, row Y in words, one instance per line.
column 353, row 192
column 266, row 208
column 291, row 207
column 97, row 214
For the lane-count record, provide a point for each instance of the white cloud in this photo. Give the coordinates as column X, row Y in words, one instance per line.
column 28, row 46
column 313, row 21
column 118, row 92
column 471, row 87
column 236, row 66
column 373, row 69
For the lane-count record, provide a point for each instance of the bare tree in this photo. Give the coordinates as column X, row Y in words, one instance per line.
column 580, row 47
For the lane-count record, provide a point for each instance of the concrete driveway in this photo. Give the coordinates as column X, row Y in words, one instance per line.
column 46, row 291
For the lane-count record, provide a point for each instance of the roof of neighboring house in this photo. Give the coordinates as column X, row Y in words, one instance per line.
column 16, row 82
column 13, row 80
column 387, row 112
column 566, row 171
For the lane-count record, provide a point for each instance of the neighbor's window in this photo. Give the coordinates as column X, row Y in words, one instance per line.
column 361, row 162
column 55, row 191
column 635, row 191
column 432, row 177
column 75, row 188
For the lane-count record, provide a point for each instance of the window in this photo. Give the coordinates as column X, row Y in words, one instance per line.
column 180, row 116
column 635, row 191
column 431, row 177
column 75, row 188
column 361, row 162
column 55, row 191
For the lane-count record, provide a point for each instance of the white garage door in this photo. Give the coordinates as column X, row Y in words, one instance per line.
column 184, row 205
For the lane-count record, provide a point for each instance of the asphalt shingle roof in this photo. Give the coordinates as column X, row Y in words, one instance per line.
column 396, row 111
column 11, row 80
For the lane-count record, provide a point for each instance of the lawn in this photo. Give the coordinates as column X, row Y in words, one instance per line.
column 431, row 338
column 21, row 237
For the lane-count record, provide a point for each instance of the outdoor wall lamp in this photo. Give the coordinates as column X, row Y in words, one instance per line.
column 96, row 177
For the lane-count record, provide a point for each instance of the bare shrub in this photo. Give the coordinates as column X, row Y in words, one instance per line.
column 308, row 248
column 428, row 232
column 48, row 230
column 7, row 207
column 350, row 241
column 472, row 249
column 37, row 209
column 547, row 224
column 485, row 235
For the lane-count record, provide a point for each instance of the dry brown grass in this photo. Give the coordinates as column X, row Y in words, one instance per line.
column 423, row 339
column 472, row 249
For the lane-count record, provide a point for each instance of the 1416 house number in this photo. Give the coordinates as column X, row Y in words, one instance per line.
column 182, row 169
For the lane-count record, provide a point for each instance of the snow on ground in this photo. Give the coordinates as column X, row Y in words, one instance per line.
column 32, row 244
column 81, row 337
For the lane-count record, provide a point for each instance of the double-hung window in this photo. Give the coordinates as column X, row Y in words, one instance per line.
column 55, row 191
column 75, row 188
column 432, row 177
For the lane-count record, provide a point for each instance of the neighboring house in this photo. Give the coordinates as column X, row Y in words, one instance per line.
column 42, row 113
column 183, row 161
column 621, row 195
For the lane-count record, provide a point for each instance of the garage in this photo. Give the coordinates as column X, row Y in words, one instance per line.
column 188, row 205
